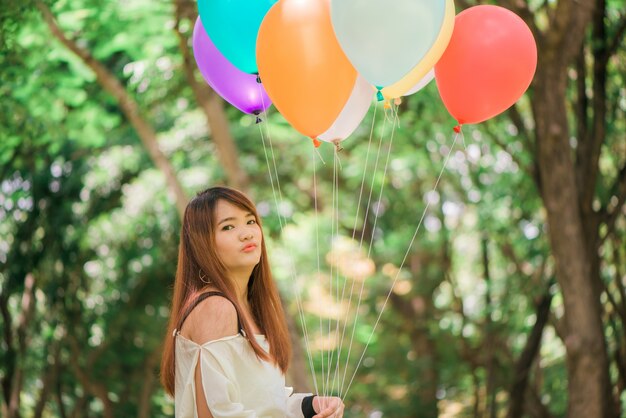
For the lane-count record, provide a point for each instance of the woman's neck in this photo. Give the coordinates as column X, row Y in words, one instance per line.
column 241, row 279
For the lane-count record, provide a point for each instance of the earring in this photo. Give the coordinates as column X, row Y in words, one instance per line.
column 202, row 277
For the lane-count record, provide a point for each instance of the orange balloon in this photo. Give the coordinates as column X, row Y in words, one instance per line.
column 488, row 64
column 302, row 66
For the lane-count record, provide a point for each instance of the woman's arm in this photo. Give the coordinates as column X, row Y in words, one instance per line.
column 305, row 405
column 294, row 403
column 201, row 405
column 216, row 395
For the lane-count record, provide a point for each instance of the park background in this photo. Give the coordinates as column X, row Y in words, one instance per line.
column 511, row 302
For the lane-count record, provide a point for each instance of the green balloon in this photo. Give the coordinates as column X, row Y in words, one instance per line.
column 386, row 39
column 233, row 26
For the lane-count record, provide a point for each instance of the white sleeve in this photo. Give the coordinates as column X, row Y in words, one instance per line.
column 294, row 403
column 221, row 393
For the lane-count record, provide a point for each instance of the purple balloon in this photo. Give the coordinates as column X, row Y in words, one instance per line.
column 236, row 87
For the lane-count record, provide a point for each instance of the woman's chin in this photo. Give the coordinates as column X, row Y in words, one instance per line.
column 250, row 262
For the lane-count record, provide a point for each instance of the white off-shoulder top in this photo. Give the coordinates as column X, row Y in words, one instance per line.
column 235, row 382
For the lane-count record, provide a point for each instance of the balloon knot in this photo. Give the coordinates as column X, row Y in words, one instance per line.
column 258, row 79
column 258, row 120
column 397, row 101
column 379, row 96
column 316, row 142
column 387, row 104
column 457, row 129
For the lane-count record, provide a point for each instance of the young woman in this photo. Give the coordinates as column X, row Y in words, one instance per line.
column 227, row 346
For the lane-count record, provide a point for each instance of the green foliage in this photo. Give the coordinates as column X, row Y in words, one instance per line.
column 85, row 212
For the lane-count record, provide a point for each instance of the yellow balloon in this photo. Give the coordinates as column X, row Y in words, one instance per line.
column 399, row 88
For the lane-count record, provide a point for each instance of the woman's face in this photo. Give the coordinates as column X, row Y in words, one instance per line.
column 237, row 237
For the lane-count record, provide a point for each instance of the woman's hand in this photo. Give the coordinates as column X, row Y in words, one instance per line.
column 328, row 406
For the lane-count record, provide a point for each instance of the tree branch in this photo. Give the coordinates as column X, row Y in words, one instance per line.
column 581, row 106
column 618, row 38
column 590, row 145
column 534, row 406
column 212, row 105
column 127, row 104
column 496, row 139
column 58, row 394
column 23, row 320
column 616, row 306
column 520, row 7
column 560, row 327
column 561, row 40
column 620, row 363
column 527, row 134
column 50, row 377
column 148, row 383
column 610, row 214
column 10, row 354
column 97, row 389
column 618, row 277
column 524, row 363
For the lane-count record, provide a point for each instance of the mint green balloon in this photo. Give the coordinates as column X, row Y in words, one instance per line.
column 233, row 26
column 385, row 39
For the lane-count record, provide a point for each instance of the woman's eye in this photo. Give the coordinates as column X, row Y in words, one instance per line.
column 251, row 221
column 227, row 228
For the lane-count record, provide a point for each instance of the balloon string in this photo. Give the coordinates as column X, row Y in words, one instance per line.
column 338, row 298
column 354, row 229
column 280, row 222
column 367, row 209
column 459, row 130
column 401, row 265
column 377, row 214
column 333, row 269
column 317, row 244
column 338, row 149
column 367, row 154
column 336, row 332
column 397, row 101
column 319, row 155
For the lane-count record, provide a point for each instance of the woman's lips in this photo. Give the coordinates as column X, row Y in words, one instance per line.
column 248, row 248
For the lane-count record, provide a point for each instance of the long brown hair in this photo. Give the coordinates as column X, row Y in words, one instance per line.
column 196, row 252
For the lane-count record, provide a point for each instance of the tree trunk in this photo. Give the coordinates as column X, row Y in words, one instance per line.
column 587, row 361
column 586, row 350
column 585, row 344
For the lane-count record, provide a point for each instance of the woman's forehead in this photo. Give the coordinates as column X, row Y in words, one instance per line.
column 225, row 209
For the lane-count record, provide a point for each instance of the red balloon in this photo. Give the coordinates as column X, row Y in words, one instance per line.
column 488, row 64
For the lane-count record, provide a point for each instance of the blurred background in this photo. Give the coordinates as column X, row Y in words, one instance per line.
column 510, row 302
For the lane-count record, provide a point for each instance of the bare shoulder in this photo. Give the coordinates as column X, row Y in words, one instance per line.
column 213, row 318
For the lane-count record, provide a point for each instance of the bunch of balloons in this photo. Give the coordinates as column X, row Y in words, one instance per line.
column 321, row 62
